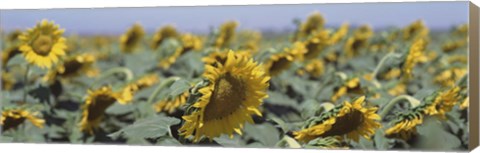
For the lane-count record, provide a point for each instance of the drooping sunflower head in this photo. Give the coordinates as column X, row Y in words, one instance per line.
column 226, row 34
column 128, row 91
column 363, row 32
column 43, row 45
column 348, row 119
column 96, row 103
column 251, row 40
column 171, row 51
column 315, row 68
column 132, row 38
column 191, row 42
column 168, row 31
column 171, row 104
column 217, row 57
column 339, row 34
column 234, row 92
column 451, row 46
column 413, row 56
column 281, row 61
column 450, row 76
column 8, row 54
column 404, row 127
column 391, row 74
column 353, row 45
column 398, row 89
column 74, row 66
column 350, row 86
column 415, row 30
column 12, row 118
column 443, row 102
column 313, row 23
column 315, row 44
column 14, row 36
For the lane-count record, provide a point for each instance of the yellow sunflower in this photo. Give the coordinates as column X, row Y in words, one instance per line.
column 74, row 66
column 191, row 42
column 400, row 88
column 405, row 127
column 252, row 41
column 392, row 74
column 339, row 34
column 314, row 22
column 416, row 30
column 13, row 36
column 235, row 91
column 315, row 68
column 316, row 43
column 444, row 102
column 449, row 77
column 170, row 105
column 464, row 104
column 413, row 57
column 94, row 108
column 219, row 56
column 129, row 90
column 349, row 86
column 132, row 38
column 350, row 120
column 12, row 118
column 226, row 34
column 172, row 58
column 279, row 62
column 168, row 31
column 454, row 45
column 43, row 45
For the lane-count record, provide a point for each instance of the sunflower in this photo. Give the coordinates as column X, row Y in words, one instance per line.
column 252, row 40
column 464, row 104
column 132, row 38
column 349, row 86
column 316, row 43
column 12, row 118
column 453, row 45
column 74, row 66
column 8, row 80
column 405, row 127
column 234, row 93
column 170, row 104
column 219, row 56
column 444, row 102
column 163, row 33
column 339, row 34
column 458, row 58
column 413, row 57
column 392, row 74
column 226, row 34
column 43, row 45
column 450, row 76
column 279, row 62
column 315, row 68
column 353, row 45
column 8, row 54
column 95, row 105
column 350, row 120
column 13, row 36
column 400, row 88
column 191, row 42
column 314, row 22
column 415, row 30
column 133, row 87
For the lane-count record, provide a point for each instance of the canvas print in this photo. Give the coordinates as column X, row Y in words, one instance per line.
column 371, row 76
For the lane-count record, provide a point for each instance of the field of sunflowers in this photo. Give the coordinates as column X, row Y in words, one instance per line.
column 346, row 87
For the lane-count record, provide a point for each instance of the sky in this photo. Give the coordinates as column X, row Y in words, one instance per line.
column 199, row 19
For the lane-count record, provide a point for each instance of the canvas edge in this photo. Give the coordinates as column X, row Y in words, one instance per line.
column 473, row 112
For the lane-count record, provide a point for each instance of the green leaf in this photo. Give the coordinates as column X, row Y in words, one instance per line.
column 179, row 87
column 277, row 98
column 118, row 109
column 152, row 127
column 432, row 136
column 226, row 141
column 381, row 142
column 265, row 133
column 41, row 93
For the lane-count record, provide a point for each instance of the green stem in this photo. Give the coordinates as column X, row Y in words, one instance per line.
column 25, row 79
column 413, row 103
column 160, row 87
column 126, row 71
column 380, row 65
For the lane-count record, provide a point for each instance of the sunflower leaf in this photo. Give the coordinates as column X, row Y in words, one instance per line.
column 178, row 87
column 265, row 133
column 152, row 127
column 224, row 140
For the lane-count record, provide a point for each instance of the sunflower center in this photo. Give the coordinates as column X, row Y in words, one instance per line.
column 42, row 45
column 98, row 107
column 346, row 124
column 72, row 67
column 282, row 63
column 11, row 122
column 357, row 44
column 313, row 50
column 228, row 95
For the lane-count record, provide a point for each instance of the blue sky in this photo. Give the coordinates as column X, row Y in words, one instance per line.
column 437, row 15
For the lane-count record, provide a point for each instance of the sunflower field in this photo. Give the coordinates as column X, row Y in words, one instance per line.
column 346, row 87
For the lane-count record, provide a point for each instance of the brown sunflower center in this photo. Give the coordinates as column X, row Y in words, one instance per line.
column 228, row 95
column 357, row 44
column 313, row 50
column 345, row 124
column 42, row 45
column 71, row 67
column 279, row 65
column 11, row 122
column 99, row 105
